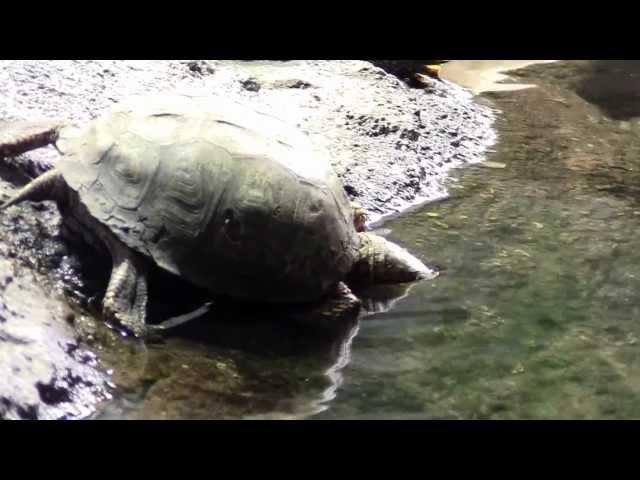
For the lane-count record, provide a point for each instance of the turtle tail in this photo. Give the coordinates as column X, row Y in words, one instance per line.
column 47, row 186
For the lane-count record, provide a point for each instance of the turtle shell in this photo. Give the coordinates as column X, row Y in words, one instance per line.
column 231, row 199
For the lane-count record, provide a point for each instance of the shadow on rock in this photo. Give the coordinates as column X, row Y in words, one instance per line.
column 614, row 86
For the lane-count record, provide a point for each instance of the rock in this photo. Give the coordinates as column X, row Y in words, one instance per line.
column 199, row 67
column 251, row 85
column 45, row 373
column 291, row 84
column 405, row 70
column 493, row 164
column 351, row 190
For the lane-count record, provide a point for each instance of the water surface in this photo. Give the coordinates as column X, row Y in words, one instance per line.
column 536, row 313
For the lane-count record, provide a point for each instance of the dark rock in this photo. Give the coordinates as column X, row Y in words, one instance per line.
column 200, row 67
column 351, row 190
column 405, row 70
column 52, row 394
column 251, row 85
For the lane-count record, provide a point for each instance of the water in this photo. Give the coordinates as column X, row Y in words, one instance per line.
column 535, row 314
column 485, row 75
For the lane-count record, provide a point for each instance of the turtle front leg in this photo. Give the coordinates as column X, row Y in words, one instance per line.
column 125, row 302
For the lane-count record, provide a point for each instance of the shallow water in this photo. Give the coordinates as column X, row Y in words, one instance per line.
column 535, row 314
column 485, row 75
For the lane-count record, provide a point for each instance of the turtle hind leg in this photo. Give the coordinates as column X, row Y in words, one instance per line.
column 49, row 186
column 125, row 301
column 19, row 137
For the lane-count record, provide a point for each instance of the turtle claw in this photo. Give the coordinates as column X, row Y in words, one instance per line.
column 124, row 323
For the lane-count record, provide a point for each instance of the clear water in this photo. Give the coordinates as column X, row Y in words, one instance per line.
column 535, row 314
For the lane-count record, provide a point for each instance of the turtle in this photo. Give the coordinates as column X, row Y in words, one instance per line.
column 231, row 199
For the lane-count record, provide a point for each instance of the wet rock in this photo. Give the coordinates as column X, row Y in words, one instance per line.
column 45, row 373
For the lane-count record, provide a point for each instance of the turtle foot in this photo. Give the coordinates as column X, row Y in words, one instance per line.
column 125, row 302
column 129, row 325
column 340, row 308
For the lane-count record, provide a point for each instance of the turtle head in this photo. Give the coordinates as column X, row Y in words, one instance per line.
column 381, row 261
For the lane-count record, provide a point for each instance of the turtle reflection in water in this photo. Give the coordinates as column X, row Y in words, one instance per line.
column 252, row 362
column 228, row 198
